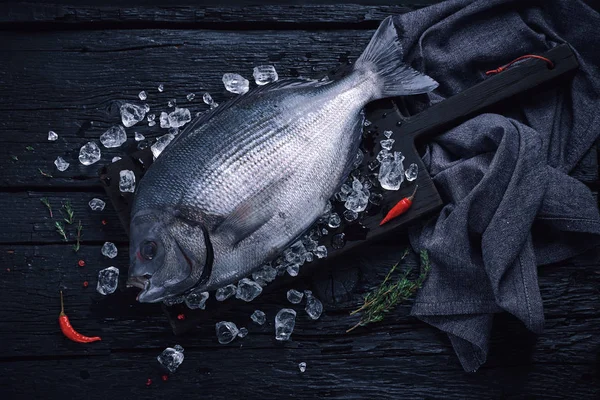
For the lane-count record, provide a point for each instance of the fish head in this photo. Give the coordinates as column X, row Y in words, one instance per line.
column 168, row 254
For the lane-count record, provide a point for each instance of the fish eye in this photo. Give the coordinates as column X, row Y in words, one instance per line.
column 148, row 249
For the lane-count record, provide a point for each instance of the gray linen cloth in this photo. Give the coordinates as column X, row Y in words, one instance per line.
column 510, row 203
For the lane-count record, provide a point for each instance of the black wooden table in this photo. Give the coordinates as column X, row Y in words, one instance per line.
column 63, row 67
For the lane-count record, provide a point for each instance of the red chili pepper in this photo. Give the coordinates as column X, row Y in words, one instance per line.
column 68, row 330
column 400, row 208
column 181, row 317
column 149, row 382
column 81, row 263
column 165, row 378
column 104, row 222
column 85, row 284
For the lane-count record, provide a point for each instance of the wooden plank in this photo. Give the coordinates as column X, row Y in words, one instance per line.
column 399, row 357
column 27, row 220
column 80, row 106
column 30, row 294
column 227, row 373
column 233, row 15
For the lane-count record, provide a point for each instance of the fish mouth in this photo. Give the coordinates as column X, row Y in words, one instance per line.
column 142, row 282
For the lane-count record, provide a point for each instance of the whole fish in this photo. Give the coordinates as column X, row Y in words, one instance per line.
column 233, row 190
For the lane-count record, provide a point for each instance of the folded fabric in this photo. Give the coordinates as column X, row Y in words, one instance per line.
column 503, row 178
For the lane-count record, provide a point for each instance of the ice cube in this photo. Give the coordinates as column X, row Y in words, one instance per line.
column 411, row 172
column 174, row 131
column 164, row 120
column 264, row 275
column 151, row 117
column 295, row 253
column 171, row 103
column 52, row 136
column 338, row 241
column 388, row 134
column 131, row 114
column 225, row 292
column 143, row 95
column 314, row 307
column 207, row 98
column 190, row 96
column 258, row 317
column 161, row 88
column 61, row 164
column 264, row 74
column 196, row 300
column 358, row 199
column 391, row 172
column 320, row 252
column 89, row 153
column 109, row 250
column 108, row 280
column 171, row 358
column 324, row 231
column 334, row 221
column 384, row 155
column 309, row 243
column 96, row 204
column 236, row 83
column 126, row 181
column 375, row 198
column 367, row 122
column 161, row 143
column 373, row 165
column 293, row 269
column 226, row 331
column 114, row 136
column 294, row 296
column 350, row 215
column 285, row 320
column 139, row 137
column 309, row 257
column 248, row 290
column 358, row 159
column 302, row 366
column 179, row 117
column 171, row 301
column 115, row 159
column 387, row 144
column 242, row 333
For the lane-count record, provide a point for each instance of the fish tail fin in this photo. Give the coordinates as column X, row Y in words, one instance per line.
column 383, row 57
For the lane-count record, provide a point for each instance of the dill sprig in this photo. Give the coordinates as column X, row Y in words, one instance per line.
column 389, row 294
column 79, row 229
column 70, row 213
column 46, row 174
column 60, row 228
column 29, row 148
column 46, row 202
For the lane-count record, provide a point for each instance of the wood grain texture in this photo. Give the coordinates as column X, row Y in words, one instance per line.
column 65, row 67
column 103, row 73
column 398, row 356
column 217, row 15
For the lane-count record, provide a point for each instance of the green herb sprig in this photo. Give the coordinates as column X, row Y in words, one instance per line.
column 389, row 294
column 45, row 174
column 60, row 228
column 70, row 213
column 46, row 202
column 79, row 229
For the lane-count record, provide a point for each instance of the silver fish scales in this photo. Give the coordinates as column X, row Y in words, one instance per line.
column 238, row 186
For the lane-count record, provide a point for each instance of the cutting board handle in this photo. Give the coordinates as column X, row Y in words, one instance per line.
column 516, row 79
